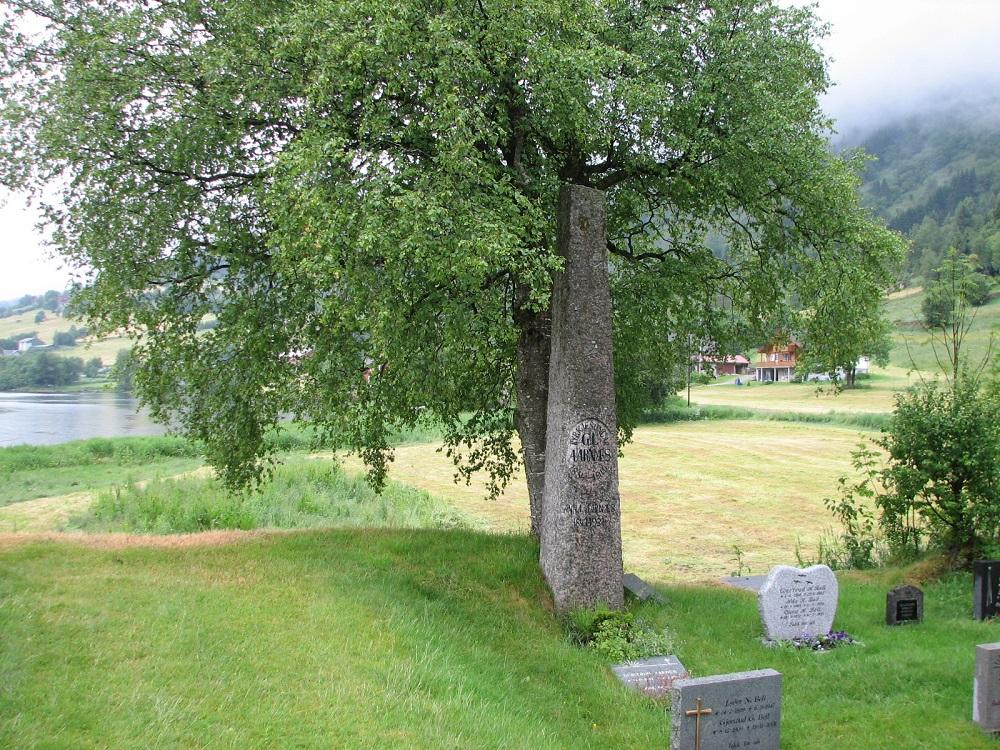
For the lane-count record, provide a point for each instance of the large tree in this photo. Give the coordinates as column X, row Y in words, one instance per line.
column 362, row 186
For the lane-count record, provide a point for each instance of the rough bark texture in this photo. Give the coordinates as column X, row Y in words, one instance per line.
column 581, row 550
column 532, row 382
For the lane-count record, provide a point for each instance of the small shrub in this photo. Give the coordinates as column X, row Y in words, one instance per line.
column 618, row 635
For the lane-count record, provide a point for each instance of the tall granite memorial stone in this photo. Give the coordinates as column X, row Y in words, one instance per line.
column 581, row 548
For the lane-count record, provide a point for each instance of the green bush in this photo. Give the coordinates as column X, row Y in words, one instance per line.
column 618, row 635
column 940, row 484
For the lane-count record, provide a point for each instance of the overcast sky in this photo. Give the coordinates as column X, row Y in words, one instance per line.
column 886, row 56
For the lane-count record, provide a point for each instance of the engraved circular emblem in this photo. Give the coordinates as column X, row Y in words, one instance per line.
column 590, row 454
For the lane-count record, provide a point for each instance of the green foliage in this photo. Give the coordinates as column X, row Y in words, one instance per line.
column 952, row 288
column 957, row 289
column 937, row 178
column 70, row 337
column 702, row 378
column 860, row 543
column 358, row 187
column 940, row 485
column 40, row 316
column 92, row 367
column 619, row 635
column 116, row 451
column 675, row 410
column 38, row 370
column 123, row 371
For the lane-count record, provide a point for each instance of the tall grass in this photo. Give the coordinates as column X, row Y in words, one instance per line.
column 302, row 494
column 677, row 411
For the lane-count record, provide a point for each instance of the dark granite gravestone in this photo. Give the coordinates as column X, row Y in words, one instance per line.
column 641, row 590
column 581, row 547
column 986, row 687
column 739, row 710
column 653, row 676
column 904, row 604
column 985, row 589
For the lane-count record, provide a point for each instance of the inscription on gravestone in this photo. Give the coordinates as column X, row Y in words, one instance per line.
column 904, row 604
column 723, row 712
column 986, row 687
column 653, row 676
column 986, row 589
column 794, row 602
column 591, row 450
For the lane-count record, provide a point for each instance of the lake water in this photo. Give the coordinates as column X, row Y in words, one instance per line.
column 47, row 418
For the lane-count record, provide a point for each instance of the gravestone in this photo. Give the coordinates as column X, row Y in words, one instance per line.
column 653, row 676
column 581, row 547
column 797, row 602
column 985, row 589
column 641, row 590
column 904, row 604
column 986, row 687
column 739, row 710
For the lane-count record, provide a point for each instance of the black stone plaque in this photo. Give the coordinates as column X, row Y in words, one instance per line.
column 986, row 589
column 904, row 604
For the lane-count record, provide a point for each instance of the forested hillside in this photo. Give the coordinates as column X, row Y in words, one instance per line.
column 936, row 178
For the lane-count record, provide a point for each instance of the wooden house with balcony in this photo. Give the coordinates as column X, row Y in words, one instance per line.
column 777, row 362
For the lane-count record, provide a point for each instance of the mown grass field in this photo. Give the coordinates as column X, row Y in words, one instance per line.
column 418, row 639
column 873, row 395
column 691, row 492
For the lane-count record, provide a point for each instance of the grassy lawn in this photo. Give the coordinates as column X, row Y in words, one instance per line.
column 690, row 492
column 873, row 395
column 418, row 639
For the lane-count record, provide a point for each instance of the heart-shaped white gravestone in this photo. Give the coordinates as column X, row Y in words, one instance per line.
column 794, row 602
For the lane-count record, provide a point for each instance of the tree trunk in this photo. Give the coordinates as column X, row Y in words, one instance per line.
column 532, row 382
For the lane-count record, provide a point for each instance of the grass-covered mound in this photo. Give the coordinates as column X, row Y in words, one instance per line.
column 420, row 639
column 373, row 639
